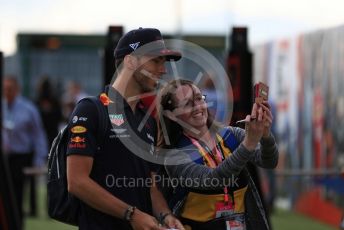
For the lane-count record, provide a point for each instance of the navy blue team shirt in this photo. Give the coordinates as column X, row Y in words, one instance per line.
column 115, row 167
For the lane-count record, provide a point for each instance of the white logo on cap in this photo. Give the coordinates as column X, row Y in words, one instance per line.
column 134, row 45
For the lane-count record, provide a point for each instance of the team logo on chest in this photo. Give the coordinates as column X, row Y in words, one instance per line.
column 116, row 119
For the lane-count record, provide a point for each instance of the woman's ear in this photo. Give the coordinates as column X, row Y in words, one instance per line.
column 130, row 62
column 170, row 115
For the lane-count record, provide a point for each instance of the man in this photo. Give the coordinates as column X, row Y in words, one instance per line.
column 99, row 178
column 24, row 139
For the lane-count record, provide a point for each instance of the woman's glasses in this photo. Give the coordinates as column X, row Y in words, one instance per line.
column 189, row 104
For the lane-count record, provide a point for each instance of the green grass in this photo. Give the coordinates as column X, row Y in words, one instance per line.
column 281, row 220
column 285, row 220
column 44, row 223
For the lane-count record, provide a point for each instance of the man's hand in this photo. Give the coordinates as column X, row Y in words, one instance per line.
column 172, row 222
column 160, row 206
column 143, row 221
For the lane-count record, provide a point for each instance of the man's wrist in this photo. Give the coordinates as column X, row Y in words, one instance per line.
column 129, row 212
column 162, row 216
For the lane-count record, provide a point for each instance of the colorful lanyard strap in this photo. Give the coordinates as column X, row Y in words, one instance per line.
column 212, row 162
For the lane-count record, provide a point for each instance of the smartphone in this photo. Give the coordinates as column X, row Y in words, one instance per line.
column 260, row 92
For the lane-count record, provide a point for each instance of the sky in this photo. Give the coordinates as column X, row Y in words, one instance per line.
column 266, row 19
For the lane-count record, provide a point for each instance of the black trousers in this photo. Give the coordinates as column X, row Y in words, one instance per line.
column 17, row 162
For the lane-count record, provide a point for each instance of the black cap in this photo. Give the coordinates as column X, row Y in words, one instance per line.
column 135, row 39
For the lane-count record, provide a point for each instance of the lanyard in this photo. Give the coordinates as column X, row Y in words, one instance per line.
column 212, row 161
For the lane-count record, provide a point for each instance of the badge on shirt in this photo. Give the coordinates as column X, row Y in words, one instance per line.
column 223, row 209
column 77, row 142
column 77, row 139
column 235, row 225
column 75, row 119
column 78, row 129
column 116, row 119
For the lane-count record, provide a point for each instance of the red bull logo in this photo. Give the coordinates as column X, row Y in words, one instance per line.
column 77, row 142
column 77, row 139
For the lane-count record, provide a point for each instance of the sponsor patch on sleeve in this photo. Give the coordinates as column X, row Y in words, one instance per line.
column 78, row 129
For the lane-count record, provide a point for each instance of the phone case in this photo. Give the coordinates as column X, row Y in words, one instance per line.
column 260, row 92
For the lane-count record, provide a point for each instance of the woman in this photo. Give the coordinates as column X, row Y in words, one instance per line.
column 214, row 186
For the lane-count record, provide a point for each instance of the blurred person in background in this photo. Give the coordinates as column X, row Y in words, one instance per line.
column 49, row 108
column 73, row 93
column 50, row 111
column 24, row 139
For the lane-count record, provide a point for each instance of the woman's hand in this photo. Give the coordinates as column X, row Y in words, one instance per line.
column 268, row 118
column 254, row 127
column 257, row 125
column 172, row 222
column 143, row 221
